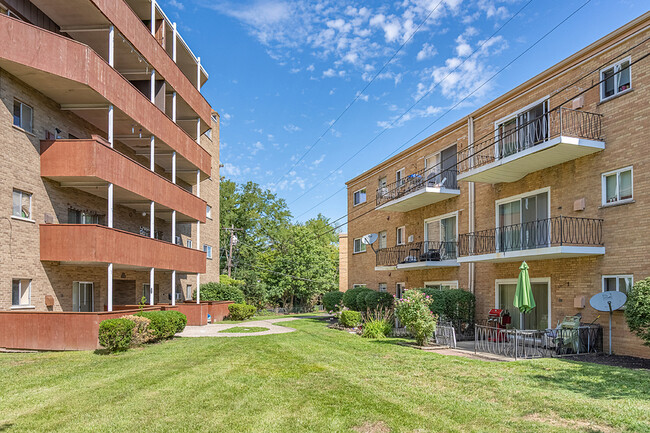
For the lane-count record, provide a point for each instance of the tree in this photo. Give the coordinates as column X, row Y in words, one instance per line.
column 637, row 310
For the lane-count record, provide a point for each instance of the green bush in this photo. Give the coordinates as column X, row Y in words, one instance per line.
column 331, row 300
column 378, row 300
column 350, row 319
column 241, row 311
column 413, row 311
column 455, row 305
column 141, row 332
column 361, row 299
column 226, row 290
column 350, row 297
column 178, row 319
column 164, row 324
column 116, row 334
column 637, row 310
column 378, row 324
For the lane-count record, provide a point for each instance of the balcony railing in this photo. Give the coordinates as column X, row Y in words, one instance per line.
column 428, row 251
column 557, row 122
column 431, row 177
column 550, row 232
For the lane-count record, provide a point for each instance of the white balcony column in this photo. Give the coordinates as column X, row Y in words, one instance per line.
column 173, row 287
column 198, row 288
column 174, row 227
column 151, row 220
column 471, row 204
column 174, row 37
column 111, row 46
column 198, row 183
column 152, row 154
column 153, row 17
column 174, row 107
column 198, row 73
column 110, row 125
column 151, row 286
column 198, row 236
column 153, row 86
column 174, row 167
column 198, row 130
column 109, row 301
column 109, row 211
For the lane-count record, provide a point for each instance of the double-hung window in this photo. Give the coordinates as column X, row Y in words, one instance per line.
column 189, row 243
column 359, row 247
column 208, row 250
column 22, row 204
column 615, row 79
column 23, row 116
column 400, row 233
column 208, row 211
column 618, row 283
column 21, row 292
column 383, row 239
column 383, row 287
column 617, row 186
column 359, row 196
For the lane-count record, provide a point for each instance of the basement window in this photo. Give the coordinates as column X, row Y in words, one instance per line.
column 23, row 116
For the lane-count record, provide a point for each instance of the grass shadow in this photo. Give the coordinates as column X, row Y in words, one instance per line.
column 5, row 426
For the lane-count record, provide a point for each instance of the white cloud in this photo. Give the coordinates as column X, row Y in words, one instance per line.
column 329, row 73
column 176, row 3
column 427, row 51
column 229, row 169
column 292, row 128
column 317, row 162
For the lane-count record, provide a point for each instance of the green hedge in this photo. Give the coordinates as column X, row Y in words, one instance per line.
column 637, row 310
column 361, row 299
column 376, row 300
column 331, row 300
column 241, row 311
column 116, row 334
column 350, row 298
column 350, row 319
column 164, row 324
column 455, row 305
column 221, row 292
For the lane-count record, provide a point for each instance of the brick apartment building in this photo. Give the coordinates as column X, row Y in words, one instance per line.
column 552, row 172
column 110, row 168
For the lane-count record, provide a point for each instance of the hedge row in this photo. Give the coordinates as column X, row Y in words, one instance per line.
column 331, row 300
column 364, row 299
column 241, row 311
column 146, row 326
column 452, row 304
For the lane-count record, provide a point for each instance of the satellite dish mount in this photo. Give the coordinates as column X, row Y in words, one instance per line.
column 370, row 239
column 608, row 301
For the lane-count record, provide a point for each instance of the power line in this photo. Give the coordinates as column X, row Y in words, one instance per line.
column 389, row 126
column 358, row 94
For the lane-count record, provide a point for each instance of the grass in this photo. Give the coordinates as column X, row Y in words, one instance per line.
column 242, row 330
column 313, row 380
column 268, row 317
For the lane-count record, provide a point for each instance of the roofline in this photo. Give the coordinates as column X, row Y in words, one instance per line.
column 622, row 32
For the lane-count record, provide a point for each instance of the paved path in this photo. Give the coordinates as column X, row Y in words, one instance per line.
column 212, row 330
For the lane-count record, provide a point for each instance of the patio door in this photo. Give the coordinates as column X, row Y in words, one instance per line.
column 523, row 130
column 538, row 318
column 448, row 163
column 524, row 223
column 444, row 231
column 83, row 296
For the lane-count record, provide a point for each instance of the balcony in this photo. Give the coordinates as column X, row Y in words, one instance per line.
column 551, row 238
column 419, row 189
column 554, row 138
column 417, row 255
column 77, row 244
column 90, row 165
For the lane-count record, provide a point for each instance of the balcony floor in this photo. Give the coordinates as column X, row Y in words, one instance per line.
column 418, row 199
column 556, row 151
column 548, row 253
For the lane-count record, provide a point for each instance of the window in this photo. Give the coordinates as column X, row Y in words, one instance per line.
column 399, row 176
column 615, row 79
column 382, row 182
column 21, row 292
column 189, row 243
column 383, row 287
column 441, row 285
column 522, row 129
column 617, row 186
column 355, row 286
column 440, row 235
column 22, row 204
column 23, row 116
column 208, row 211
column 523, row 222
column 399, row 239
column 618, row 283
column 359, row 196
column 82, row 217
column 188, row 292
column 399, row 289
column 359, row 247
column 382, row 239
column 179, row 296
column 208, row 250
column 83, row 296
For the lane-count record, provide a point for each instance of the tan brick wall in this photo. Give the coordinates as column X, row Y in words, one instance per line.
column 343, row 262
column 625, row 118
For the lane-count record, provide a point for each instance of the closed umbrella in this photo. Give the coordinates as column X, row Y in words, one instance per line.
column 524, row 300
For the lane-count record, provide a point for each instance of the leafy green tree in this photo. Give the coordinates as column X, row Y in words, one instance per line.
column 637, row 310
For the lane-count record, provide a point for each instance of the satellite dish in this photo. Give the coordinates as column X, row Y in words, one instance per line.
column 608, row 301
column 369, row 239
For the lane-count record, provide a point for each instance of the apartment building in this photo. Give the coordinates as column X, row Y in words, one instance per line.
column 110, row 168
column 552, row 173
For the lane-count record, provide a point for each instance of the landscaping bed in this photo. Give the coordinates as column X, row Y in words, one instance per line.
column 631, row 362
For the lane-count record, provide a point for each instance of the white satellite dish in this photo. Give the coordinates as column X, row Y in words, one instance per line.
column 370, row 238
column 608, row 301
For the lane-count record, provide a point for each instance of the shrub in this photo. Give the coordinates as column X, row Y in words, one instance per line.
column 414, row 313
column 637, row 310
column 350, row 297
column 379, row 300
column 178, row 319
column 331, row 300
column 116, row 334
column 141, row 332
column 223, row 291
column 164, row 324
column 350, row 319
column 455, row 305
column 241, row 311
column 361, row 299
column 378, row 324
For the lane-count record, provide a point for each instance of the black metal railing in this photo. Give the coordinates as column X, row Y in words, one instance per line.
column 548, row 232
column 432, row 177
column 429, row 251
column 559, row 121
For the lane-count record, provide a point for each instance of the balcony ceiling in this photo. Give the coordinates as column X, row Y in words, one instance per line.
column 67, row 13
column 418, row 199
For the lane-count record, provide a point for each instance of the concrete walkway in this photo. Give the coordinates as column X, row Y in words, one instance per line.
column 212, row 330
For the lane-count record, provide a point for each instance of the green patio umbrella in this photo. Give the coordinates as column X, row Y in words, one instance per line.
column 524, row 300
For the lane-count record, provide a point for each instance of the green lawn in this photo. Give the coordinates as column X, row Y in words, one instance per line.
column 313, row 380
column 242, row 330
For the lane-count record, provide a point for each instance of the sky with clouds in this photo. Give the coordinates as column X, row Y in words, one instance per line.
column 313, row 93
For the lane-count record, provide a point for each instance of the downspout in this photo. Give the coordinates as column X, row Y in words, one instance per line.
column 471, row 197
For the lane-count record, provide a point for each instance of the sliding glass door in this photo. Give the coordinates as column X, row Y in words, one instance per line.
column 82, row 296
column 535, row 319
column 523, row 130
column 524, row 223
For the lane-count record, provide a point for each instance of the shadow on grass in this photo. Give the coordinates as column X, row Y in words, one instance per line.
column 5, row 426
column 597, row 381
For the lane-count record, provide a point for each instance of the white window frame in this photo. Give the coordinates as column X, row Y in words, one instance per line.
column 354, row 286
column 21, row 126
column 616, row 91
column 603, row 184
column 188, row 292
column 188, row 243
column 401, row 172
column 361, row 245
column 617, row 276
column 22, row 192
column 452, row 284
column 382, row 287
column 439, row 218
column 546, row 280
column 379, row 236
column 207, row 249
column 208, row 211
column 354, row 196
column 499, row 202
column 514, row 115
column 20, row 287
column 403, row 230
column 385, row 182
column 92, row 299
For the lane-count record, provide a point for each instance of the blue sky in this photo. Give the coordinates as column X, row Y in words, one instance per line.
column 282, row 71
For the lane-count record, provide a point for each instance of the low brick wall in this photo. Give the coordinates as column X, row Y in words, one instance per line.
column 197, row 314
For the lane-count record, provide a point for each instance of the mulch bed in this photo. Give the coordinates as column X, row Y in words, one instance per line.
column 631, row 362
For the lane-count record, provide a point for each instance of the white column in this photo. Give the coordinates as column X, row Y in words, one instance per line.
column 174, row 227
column 198, row 183
column 152, row 154
column 173, row 287
column 471, row 204
column 151, row 286
column 198, row 236
column 110, row 206
column 198, row 73
column 151, row 220
column 110, row 124
column 153, row 17
column 111, row 46
column 153, row 86
column 174, row 37
column 174, row 106
column 198, row 288
column 198, row 130
column 173, row 167
column 109, row 303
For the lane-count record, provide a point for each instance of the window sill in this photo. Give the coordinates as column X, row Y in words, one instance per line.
column 27, row 220
column 23, row 307
column 358, row 252
column 609, row 98
column 23, row 130
column 359, row 204
column 617, row 203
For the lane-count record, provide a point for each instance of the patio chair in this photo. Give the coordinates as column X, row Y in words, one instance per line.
column 432, row 255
